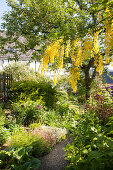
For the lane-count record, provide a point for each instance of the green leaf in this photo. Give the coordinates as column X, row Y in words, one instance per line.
column 94, row 155
column 85, row 151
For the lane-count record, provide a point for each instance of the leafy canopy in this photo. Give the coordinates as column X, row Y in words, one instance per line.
column 80, row 31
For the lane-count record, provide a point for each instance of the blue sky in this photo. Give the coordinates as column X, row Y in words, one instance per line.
column 3, row 8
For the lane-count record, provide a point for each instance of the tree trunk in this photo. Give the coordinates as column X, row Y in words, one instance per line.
column 88, row 80
column 87, row 83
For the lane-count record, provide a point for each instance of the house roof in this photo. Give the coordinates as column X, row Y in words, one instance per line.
column 9, row 47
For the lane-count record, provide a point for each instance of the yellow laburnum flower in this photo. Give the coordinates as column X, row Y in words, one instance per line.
column 92, row 54
column 60, row 63
column 54, row 79
column 100, row 65
column 96, row 43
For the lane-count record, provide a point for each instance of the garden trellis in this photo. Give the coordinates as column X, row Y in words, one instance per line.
column 5, row 81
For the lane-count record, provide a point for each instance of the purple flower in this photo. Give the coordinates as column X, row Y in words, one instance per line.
column 22, row 105
column 111, row 87
column 38, row 106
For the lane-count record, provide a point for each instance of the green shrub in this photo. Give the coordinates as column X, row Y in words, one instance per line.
column 108, row 127
column 100, row 101
column 91, row 148
column 26, row 139
column 32, row 126
column 33, row 90
column 26, row 113
column 62, row 105
column 33, row 112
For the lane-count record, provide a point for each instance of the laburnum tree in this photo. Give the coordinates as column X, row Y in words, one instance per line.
column 77, row 31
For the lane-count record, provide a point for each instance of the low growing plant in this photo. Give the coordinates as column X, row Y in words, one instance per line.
column 4, row 134
column 18, row 159
column 27, row 139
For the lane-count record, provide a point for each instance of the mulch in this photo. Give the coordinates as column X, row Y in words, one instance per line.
column 55, row 160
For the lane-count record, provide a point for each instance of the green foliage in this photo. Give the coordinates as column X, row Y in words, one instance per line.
column 108, row 128
column 2, row 117
column 90, row 148
column 33, row 90
column 18, row 159
column 46, row 21
column 62, row 105
column 26, row 113
column 32, row 126
column 100, row 101
column 45, row 12
column 81, row 90
column 27, row 139
column 4, row 134
column 19, row 71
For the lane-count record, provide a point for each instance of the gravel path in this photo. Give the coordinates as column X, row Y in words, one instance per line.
column 55, row 159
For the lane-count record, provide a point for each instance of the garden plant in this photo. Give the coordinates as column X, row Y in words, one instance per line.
column 76, row 35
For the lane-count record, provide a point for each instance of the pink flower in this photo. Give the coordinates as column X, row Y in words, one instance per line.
column 38, row 106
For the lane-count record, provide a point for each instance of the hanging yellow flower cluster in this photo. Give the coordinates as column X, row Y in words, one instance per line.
column 74, row 76
column 96, row 43
column 87, row 49
column 80, row 52
column 108, row 38
column 53, row 51
column 108, row 31
column 99, row 66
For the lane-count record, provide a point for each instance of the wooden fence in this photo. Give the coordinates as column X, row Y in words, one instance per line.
column 5, row 81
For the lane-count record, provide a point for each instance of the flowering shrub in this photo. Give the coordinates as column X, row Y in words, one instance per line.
column 60, row 133
column 27, row 139
column 38, row 106
column 50, row 135
column 47, row 134
column 28, row 112
column 100, row 101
